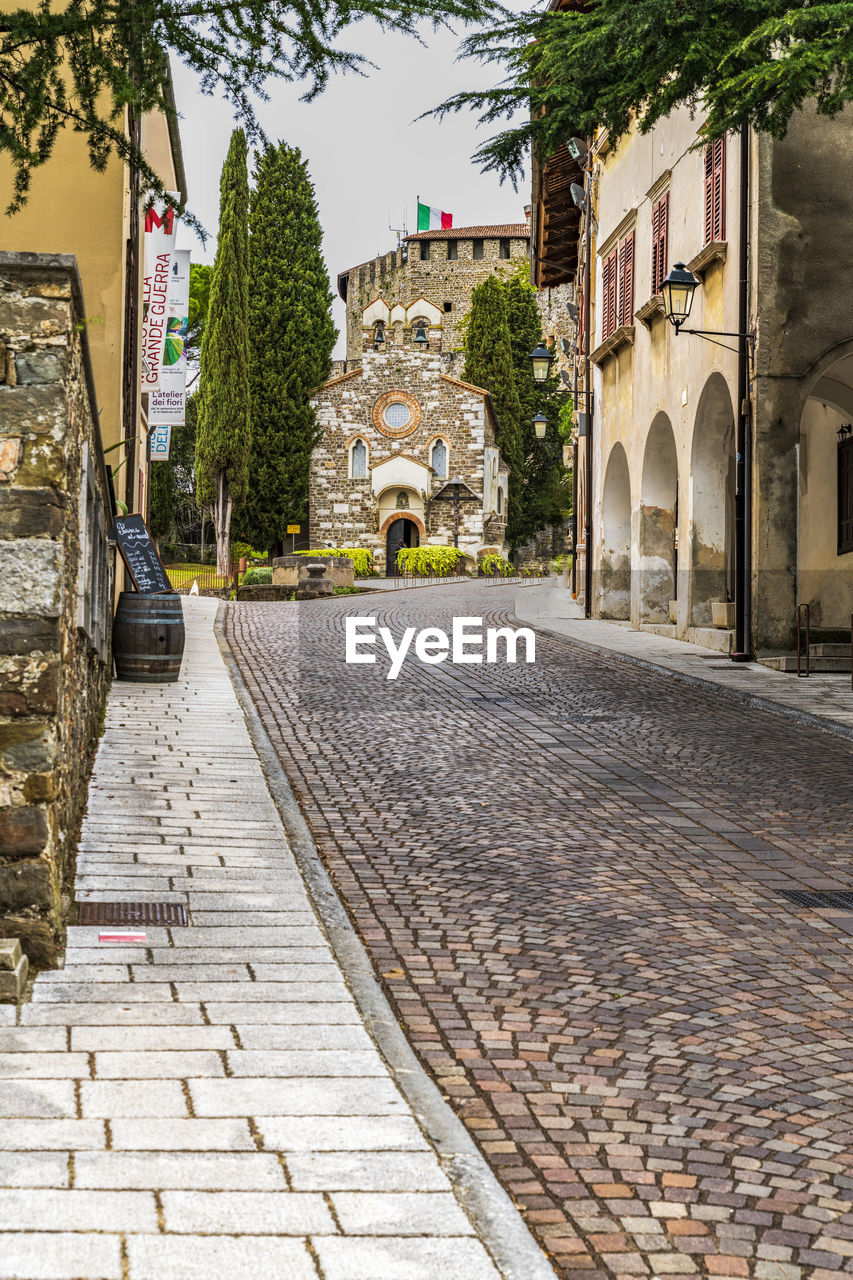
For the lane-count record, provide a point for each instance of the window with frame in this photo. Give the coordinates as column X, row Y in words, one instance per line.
column 476, row 249
column 845, row 495
column 503, row 248
column 660, row 239
column 452, row 250
column 617, row 288
column 425, row 251
column 439, row 459
column 358, row 460
column 715, row 190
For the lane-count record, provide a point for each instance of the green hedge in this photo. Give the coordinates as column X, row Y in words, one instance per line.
column 362, row 560
column 494, row 566
column 440, row 561
column 257, row 578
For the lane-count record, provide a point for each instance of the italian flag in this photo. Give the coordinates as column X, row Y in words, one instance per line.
column 433, row 219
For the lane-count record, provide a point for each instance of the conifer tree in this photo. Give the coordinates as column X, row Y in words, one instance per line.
column 489, row 364
column 544, row 497
column 83, row 65
column 223, row 437
column 292, row 336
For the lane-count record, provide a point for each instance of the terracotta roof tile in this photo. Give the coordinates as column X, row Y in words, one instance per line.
column 506, row 231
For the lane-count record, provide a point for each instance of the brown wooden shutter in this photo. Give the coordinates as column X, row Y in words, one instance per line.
column 608, row 292
column 626, row 281
column 660, row 236
column 715, row 190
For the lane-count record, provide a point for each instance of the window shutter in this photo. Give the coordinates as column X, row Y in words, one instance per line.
column 845, row 496
column 709, row 193
column 660, row 235
column 626, row 281
column 715, row 190
column 720, row 189
column 608, row 292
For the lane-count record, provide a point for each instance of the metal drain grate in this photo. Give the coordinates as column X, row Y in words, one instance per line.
column 819, row 899
column 162, row 913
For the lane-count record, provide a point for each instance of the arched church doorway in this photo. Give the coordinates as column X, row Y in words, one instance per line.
column 401, row 533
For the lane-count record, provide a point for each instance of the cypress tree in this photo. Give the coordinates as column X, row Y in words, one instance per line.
column 544, row 497
column 292, row 339
column 224, row 428
column 489, row 364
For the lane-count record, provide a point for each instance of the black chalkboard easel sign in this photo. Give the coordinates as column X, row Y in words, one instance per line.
column 140, row 555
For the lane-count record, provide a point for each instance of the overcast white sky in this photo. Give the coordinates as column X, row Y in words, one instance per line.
column 367, row 159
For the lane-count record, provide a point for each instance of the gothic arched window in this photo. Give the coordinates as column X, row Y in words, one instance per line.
column 439, row 459
column 500, row 500
column 358, row 460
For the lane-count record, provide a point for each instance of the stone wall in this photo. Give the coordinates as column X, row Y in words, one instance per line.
column 358, row 512
column 55, row 589
column 403, row 276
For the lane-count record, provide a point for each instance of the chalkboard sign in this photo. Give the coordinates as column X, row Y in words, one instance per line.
column 140, row 555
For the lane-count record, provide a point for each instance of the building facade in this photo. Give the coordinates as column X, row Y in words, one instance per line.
column 717, row 493
column 408, row 452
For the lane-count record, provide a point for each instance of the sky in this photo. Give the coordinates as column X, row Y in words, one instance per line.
column 368, row 158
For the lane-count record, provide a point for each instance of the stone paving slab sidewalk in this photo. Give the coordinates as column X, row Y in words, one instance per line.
column 208, row 1103
column 825, row 700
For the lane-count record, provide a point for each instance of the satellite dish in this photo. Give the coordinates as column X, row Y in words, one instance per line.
column 565, row 346
column 566, row 378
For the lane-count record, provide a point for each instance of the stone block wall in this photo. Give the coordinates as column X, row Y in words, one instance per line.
column 357, row 512
column 55, row 590
column 404, row 275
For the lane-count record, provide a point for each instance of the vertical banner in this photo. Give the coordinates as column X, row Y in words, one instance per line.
column 161, row 438
column 168, row 403
column 158, row 244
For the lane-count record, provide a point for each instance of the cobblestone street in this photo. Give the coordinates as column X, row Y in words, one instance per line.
column 570, row 878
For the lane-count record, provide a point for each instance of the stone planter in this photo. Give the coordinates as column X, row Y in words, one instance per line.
column 723, row 614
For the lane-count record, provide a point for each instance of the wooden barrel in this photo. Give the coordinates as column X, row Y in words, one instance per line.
column 148, row 638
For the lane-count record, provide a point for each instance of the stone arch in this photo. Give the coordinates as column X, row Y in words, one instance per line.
column 659, row 523
column 403, row 515
column 712, row 517
column 824, row 459
column 614, row 594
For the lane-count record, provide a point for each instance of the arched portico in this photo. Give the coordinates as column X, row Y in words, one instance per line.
column 712, row 518
column 658, row 523
column 614, row 576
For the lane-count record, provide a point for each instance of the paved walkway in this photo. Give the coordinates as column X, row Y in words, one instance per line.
column 828, row 697
column 208, row 1103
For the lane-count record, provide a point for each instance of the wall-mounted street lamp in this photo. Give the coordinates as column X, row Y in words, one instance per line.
column 678, row 289
column 541, row 360
column 540, row 426
column 844, row 431
column 577, row 149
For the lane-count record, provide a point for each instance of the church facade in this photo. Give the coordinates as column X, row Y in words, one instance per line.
column 408, row 452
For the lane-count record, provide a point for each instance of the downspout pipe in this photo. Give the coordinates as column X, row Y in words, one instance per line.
column 587, row 289
column 742, row 651
column 575, row 495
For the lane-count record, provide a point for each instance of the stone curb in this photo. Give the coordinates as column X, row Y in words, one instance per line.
column 806, row 718
column 498, row 1222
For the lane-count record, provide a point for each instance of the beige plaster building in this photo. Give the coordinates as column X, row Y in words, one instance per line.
column 765, row 226
column 72, row 209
